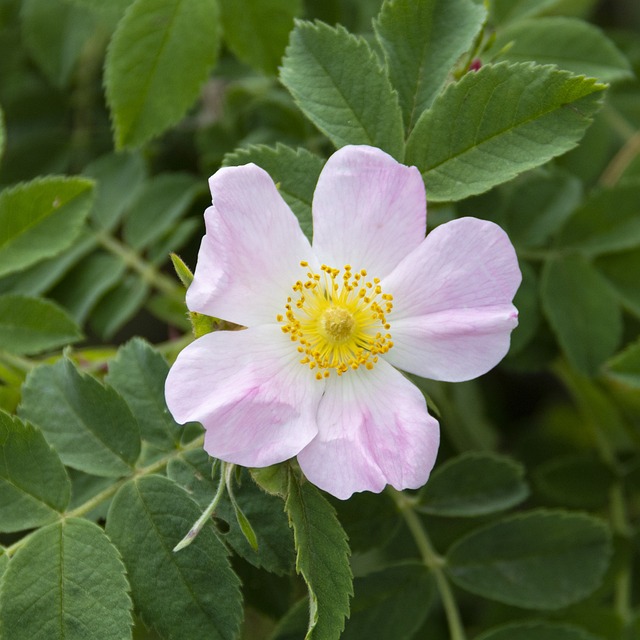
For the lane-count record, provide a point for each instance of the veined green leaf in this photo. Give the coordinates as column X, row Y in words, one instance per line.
column 138, row 374
column 337, row 81
column 496, row 123
column 257, row 31
column 474, row 484
column 538, row 560
column 583, row 311
column 322, row 559
column 574, row 45
column 34, row 486
column 504, row 11
column 422, row 40
column 31, row 325
column 40, row 219
column 80, row 592
column 295, row 171
column 90, row 425
column 185, row 595
column 158, row 59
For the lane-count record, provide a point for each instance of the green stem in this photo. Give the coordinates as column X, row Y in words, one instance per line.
column 207, row 513
column 618, row 165
column 136, row 263
column 433, row 561
column 620, row 524
column 109, row 492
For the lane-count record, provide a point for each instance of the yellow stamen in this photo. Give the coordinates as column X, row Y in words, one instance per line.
column 338, row 322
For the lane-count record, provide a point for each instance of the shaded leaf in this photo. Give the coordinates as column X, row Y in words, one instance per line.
column 537, row 560
column 537, row 631
column 608, row 221
column 391, row 603
column 582, row 310
column 185, row 595
column 422, row 40
column 257, row 31
column 55, row 33
column 474, row 484
column 496, row 123
column 336, row 80
column 40, row 219
column 621, row 270
column 90, row 425
column 34, row 486
column 571, row 44
column 625, row 366
column 158, row 59
column 80, row 593
column 158, row 206
column 32, row 325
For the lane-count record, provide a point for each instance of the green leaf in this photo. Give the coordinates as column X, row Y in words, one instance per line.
column 538, row 204
column 538, row 560
column 55, row 33
column 504, row 11
column 578, row 480
column 322, row 559
column 257, row 31
column 496, row 123
column 608, row 221
column 85, row 285
column 80, row 592
column 185, row 595
column 159, row 57
column 4, row 563
column 537, row 631
column 119, row 5
column 621, row 270
column 43, row 275
column 31, row 325
column 138, row 373
column 90, row 425
column 295, row 171
column 390, row 603
column 338, row 83
column 119, row 177
column 422, row 40
column 158, row 206
column 119, row 305
column 369, row 519
column 40, row 219
column 34, row 486
column 582, row 310
column 625, row 366
column 569, row 43
column 474, row 484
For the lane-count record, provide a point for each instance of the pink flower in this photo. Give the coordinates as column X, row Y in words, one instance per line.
column 314, row 375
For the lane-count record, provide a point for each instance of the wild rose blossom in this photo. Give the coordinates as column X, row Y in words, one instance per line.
column 314, row 373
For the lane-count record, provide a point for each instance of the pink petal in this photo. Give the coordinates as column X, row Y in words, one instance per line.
column 374, row 430
column 452, row 314
column 250, row 256
column 257, row 403
column 369, row 211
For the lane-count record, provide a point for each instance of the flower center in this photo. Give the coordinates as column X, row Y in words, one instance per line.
column 339, row 321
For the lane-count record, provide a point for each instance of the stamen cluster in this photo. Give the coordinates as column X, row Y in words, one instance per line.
column 339, row 321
